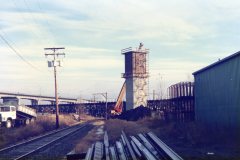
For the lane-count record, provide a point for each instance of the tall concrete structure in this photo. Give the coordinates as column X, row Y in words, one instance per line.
column 136, row 75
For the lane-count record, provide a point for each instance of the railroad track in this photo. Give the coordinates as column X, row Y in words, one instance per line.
column 25, row 149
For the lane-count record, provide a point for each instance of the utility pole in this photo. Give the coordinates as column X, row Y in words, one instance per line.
column 153, row 94
column 55, row 63
column 106, row 116
column 105, row 95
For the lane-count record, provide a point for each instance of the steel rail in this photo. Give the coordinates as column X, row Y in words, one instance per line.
column 98, row 151
column 54, row 140
column 43, row 141
column 148, row 155
column 89, row 153
column 120, row 150
column 35, row 138
column 131, row 152
column 31, row 140
column 113, row 153
column 149, row 146
column 173, row 155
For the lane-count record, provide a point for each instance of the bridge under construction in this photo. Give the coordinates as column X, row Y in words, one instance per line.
column 179, row 106
column 133, row 94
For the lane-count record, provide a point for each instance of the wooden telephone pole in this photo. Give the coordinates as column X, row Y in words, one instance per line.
column 55, row 63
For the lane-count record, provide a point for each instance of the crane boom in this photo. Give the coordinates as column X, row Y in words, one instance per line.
column 118, row 108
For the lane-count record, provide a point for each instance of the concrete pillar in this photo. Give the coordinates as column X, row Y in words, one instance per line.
column 177, row 88
column 181, row 89
column 136, row 76
column 34, row 102
column 52, row 102
column 169, row 92
column 185, row 89
column 175, row 91
column 189, row 89
column 192, row 89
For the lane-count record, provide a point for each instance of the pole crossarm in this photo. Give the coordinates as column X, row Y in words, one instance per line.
column 54, row 48
column 50, row 54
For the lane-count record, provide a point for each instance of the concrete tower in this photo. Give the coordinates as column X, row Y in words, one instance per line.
column 136, row 75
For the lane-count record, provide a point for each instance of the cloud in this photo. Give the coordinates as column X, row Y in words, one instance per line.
column 183, row 36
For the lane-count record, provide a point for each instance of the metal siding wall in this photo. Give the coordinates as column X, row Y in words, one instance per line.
column 217, row 95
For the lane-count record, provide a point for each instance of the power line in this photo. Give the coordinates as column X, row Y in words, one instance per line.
column 30, row 11
column 24, row 19
column 17, row 53
column 45, row 18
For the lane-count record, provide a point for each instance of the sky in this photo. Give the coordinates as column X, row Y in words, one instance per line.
column 183, row 36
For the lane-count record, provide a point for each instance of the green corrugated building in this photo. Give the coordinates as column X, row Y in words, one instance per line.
column 217, row 93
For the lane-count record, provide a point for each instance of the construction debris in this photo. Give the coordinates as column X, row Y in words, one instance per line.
column 143, row 146
column 134, row 114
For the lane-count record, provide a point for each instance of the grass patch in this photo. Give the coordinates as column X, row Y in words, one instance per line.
column 192, row 132
column 190, row 140
column 193, row 140
column 43, row 124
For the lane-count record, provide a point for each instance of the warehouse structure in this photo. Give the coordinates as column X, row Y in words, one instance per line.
column 217, row 93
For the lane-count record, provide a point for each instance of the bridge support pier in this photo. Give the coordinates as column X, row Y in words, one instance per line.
column 34, row 102
column 53, row 102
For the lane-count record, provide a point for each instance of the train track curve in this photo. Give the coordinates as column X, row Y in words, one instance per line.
column 25, row 149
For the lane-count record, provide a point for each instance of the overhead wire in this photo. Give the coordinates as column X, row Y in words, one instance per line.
column 25, row 20
column 48, row 24
column 45, row 18
column 42, row 12
column 41, row 38
column 35, row 21
column 16, row 52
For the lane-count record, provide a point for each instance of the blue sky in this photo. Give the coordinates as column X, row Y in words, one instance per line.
column 182, row 35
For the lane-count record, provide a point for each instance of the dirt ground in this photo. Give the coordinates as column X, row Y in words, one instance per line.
column 190, row 140
column 194, row 141
column 96, row 134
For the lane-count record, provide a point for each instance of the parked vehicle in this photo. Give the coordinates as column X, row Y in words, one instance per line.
column 16, row 115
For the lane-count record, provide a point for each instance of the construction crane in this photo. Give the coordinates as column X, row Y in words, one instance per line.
column 118, row 108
